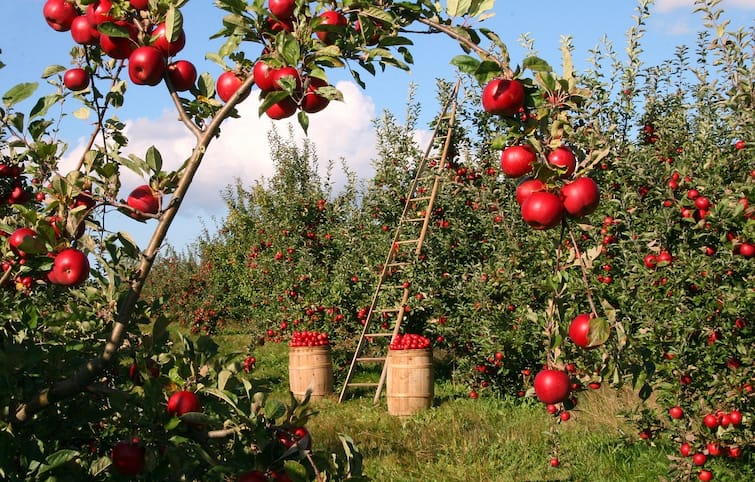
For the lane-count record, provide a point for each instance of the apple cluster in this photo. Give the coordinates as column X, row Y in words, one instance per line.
column 703, row 450
column 410, row 341
column 129, row 35
column 548, row 193
column 290, row 89
column 70, row 266
column 309, row 338
column 129, row 456
column 13, row 189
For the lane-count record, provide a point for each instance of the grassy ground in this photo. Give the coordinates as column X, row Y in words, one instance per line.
column 487, row 439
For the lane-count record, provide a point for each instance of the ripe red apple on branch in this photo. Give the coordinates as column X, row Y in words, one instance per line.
column 128, row 458
column 503, row 97
column 542, row 210
column 146, row 66
column 144, row 200
column 59, row 14
column 76, row 79
column 580, row 197
column 518, row 160
column 70, row 268
column 552, row 386
column 25, row 242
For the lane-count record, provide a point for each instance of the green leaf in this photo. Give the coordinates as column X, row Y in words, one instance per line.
column 51, row 70
column 289, row 48
column 113, row 30
column 129, row 245
column 173, row 24
column 154, row 159
column 82, row 113
column 43, row 105
column 465, row 63
column 57, row 459
column 598, row 332
column 458, row 8
column 536, row 64
column 223, row 378
column 19, row 93
column 480, row 7
column 303, row 120
column 222, row 395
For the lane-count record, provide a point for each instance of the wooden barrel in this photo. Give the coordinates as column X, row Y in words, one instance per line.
column 310, row 367
column 410, row 383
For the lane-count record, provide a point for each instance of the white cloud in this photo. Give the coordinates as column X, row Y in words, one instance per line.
column 670, row 5
column 344, row 130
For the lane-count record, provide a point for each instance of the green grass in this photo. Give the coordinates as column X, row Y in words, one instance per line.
column 460, row 439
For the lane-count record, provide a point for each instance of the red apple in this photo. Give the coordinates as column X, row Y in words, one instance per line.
column 168, row 48
column 285, row 25
column 139, row 4
column 70, row 268
column 284, row 72
column 120, row 47
column 59, row 14
column 503, row 97
column 146, row 66
column 527, row 187
column 580, row 197
column 516, row 161
column 579, row 331
column 542, row 210
column 747, row 250
column 227, row 84
column 83, row 32
column 331, row 25
column 182, row 402
column 99, row 12
column 25, row 242
column 182, row 75
column 76, row 79
column 263, row 76
column 128, row 458
column 282, row 109
column 563, row 159
column 144, row 200
column 253, row 476
column 282, row 9
column 312, row 101
column 552, row 386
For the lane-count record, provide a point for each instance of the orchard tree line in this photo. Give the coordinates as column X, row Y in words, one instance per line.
column 594, row 228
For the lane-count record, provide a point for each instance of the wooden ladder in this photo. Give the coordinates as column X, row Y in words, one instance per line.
column 410, row 233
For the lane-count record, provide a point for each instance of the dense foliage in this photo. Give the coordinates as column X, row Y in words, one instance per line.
column 662, row 268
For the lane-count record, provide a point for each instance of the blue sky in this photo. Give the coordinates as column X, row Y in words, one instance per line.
column 343, row 130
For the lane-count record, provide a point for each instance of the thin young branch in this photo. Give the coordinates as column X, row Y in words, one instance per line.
column 484, row 54
column 583, row 267
column 100, row 119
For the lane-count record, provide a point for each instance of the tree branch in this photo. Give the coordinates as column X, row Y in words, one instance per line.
column 87, row 373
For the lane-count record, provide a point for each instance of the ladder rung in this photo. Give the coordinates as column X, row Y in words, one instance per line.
column 390, row 310
column 395, row 287
column 407, row 241
column 414, row 220
column 399, row 264
column 371, row 359
column 378, row 334
column 421, row 198
column 362, row 384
